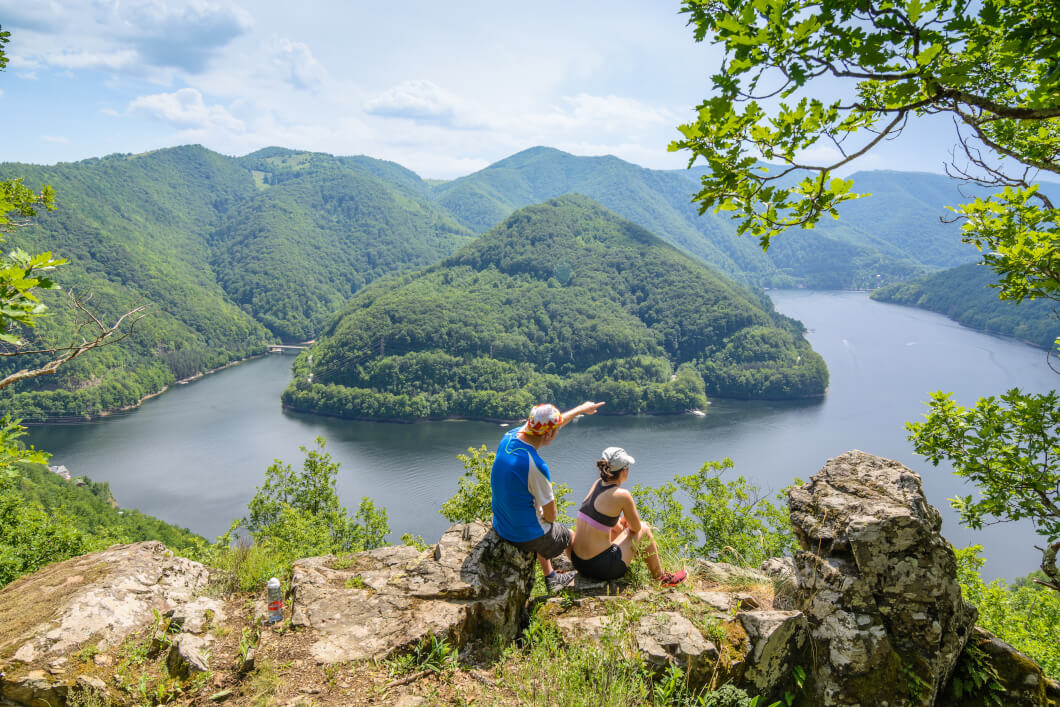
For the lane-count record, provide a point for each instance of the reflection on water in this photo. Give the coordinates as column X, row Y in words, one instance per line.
column 195, row 455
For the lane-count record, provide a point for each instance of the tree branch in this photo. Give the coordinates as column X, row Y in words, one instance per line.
column 104, row 336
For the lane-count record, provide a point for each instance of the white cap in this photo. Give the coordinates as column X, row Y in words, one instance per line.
column 617, row 458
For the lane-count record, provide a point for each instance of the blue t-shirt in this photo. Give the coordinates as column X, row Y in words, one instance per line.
column 521, row 486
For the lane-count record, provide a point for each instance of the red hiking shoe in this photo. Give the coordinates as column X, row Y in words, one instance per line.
column 671, row 579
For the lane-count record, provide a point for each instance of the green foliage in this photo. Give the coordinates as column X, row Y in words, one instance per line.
column 432, row 653
column 990, row 65
column 975, row 678
column 474, row 496
column 491, row 330
column 293, row 254
column 22, row 274
column 294, row 514
column 728, row 520
column 298, row 513
column 1027, row 617
column 31, row 537
column 1007, row 446
column 964, row 294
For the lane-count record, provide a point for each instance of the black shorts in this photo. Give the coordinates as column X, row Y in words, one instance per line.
column 606, row 566
column 551, row 544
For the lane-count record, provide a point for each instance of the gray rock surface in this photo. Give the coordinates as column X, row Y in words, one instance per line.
column 1022, row 683
column 877, row 583
column 776, row 641
column 662, row 638
column 98, row 598
column 380, row 602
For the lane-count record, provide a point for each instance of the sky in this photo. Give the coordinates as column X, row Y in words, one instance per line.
column 444, row 89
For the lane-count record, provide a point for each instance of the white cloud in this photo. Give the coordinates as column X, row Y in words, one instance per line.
column 55, row 139
column 108, row 61
column 423, row 102
column 295, row 63
column 182, row 35
column 185, row 109
column 587, row 109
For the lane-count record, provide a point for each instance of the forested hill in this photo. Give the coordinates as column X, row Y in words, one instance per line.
column 892, row 236
column 563, row 301
column 135, row 229
column 231, row 254
column 321, row 228
column 965, row 294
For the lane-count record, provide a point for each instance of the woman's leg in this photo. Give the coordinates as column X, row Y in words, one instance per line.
column 642, row 543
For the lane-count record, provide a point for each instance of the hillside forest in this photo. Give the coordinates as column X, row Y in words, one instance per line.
column 232, row 254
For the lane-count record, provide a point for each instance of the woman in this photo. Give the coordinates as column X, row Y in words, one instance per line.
column 610, row 532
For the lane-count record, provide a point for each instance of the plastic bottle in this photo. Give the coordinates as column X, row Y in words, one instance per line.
column 275, row 598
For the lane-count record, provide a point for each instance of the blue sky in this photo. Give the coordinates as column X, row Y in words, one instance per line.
column 442, row 88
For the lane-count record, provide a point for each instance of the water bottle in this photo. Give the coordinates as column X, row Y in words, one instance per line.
column 275, row 601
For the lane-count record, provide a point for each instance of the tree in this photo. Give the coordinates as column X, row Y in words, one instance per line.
column 991, row 67
column 24, row 275
column 299, row 512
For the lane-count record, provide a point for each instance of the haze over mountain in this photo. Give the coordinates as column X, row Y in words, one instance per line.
column 891, row 236
column 562, row 301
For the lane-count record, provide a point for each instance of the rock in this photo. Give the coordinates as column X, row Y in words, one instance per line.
column 34, row 688
column 718, row 601
column 471, row 584
column 662, row 638
column 667, row 637
column 877, row 584
column 776, row 640
column 1022, row 683
column 196, row 616
column 785, row 584
column 724, row 573
column 87, row 682
column 98, row 598
column 187, row 655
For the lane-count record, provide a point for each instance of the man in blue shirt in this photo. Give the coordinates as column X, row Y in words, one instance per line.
column 524, row 509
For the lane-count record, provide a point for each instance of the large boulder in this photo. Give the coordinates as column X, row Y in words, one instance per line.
column 373, row 604
column 98, row 601
column 1018, row 681
column 877, row 584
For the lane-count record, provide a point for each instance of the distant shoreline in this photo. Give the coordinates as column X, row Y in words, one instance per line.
column 133, row 406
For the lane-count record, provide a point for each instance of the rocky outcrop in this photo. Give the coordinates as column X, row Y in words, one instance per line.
column 877, row 583
column 375, row 603
column 1017, row 680
column 97, row 601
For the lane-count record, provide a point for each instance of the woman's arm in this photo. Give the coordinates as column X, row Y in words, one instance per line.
column 629, row 510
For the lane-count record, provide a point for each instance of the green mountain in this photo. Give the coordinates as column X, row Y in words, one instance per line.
column 892, row 236
column 135, row 230
column 965, row 294
column 231, row 253
column 563, row 301
column 321, row 229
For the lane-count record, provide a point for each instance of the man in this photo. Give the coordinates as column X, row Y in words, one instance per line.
column 524, row 509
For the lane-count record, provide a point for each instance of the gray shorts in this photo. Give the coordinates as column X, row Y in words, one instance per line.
column 552, row 544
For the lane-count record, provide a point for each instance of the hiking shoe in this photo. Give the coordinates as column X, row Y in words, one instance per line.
column 671, row 579
column 558, row 581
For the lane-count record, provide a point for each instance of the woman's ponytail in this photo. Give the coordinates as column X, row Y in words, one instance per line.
column 606, row 475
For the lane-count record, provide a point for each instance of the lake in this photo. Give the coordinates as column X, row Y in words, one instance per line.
column 194, row 455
